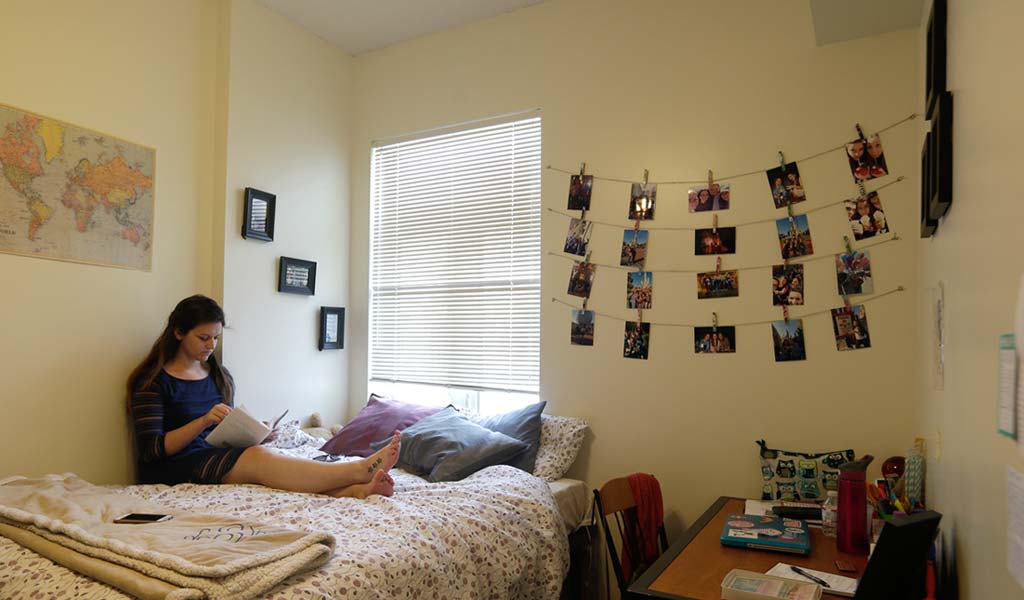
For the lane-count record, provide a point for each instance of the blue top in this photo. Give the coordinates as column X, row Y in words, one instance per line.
column 166, row 405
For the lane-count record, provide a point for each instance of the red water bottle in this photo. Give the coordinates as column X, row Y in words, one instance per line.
column 852, row 521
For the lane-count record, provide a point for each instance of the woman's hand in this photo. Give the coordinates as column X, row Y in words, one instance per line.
column 216, row 414
column 270, row 436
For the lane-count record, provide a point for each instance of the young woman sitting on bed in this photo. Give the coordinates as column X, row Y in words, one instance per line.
column 179, row 392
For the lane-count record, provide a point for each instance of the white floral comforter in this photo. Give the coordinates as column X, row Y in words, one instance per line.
column 495, row 534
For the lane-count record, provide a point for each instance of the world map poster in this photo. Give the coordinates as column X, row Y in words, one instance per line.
column 70, row 193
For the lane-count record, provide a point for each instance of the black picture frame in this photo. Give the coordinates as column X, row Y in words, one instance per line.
column 935, row 62
column 941, row 187
column 296, row 276
column 332, row 328
column 928, row 224
column 258, row 215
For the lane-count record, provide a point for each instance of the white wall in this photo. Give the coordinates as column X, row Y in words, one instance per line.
column 288, row 113
column 70, row 333
column 678, row 88
column 976, row 255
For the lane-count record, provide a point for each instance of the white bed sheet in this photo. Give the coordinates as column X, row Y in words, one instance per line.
column 495, row 534
column 573, row 500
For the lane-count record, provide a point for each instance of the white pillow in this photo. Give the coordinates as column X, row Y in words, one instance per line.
column 560, row 442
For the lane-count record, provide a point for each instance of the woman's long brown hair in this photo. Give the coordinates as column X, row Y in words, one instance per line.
column 189, row 313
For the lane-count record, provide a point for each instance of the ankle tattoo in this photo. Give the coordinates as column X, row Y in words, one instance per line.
column 374, row 465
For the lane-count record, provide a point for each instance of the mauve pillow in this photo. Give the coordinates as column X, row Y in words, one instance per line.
column 524, row 425
column 378, row 420
column 448, row 447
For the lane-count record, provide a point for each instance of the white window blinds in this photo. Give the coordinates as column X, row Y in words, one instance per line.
column 455, row 259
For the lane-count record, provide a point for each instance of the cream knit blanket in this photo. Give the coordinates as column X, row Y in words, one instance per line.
column 70, row 521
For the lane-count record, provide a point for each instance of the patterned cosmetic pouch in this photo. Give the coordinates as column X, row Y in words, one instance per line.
column 800, row 476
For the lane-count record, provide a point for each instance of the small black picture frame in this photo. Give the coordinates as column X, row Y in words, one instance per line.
column 928, row 224
column 941, row 186
column 258, row 217
column 332, row 328
column 935, row 65
column 296, row 276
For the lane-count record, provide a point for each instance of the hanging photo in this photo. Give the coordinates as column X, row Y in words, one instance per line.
column 787, row 285
column 853, row 273
column 866, row 216
column 715, row 197
column 579, row 192
column 867, row 160
column 641, row 201
column 578, row 239
column 718, row 284
column 851, row 327
column 639, row 289
column 637, row 340
column 634, row 247
column 788, row 339
column 714, row 241
column 582, row 331
column 794, row 236
column 581, row 279
column 714, row 340
column 786, row 185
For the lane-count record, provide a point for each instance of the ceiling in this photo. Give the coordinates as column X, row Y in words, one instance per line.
column 358, row 26
column 840, row 20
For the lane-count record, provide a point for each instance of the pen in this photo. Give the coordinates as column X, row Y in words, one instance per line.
column 817, row 580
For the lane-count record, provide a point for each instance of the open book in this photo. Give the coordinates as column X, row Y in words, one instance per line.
column 240, row 430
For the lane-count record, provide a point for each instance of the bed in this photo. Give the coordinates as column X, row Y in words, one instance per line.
column 498, row 533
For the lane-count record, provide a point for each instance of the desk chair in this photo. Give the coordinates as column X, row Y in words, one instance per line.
column 616, row 498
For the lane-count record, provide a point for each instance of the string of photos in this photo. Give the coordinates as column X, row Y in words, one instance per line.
column 867, row 221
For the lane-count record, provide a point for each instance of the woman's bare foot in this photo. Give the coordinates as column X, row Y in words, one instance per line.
column 386, row 457
column 381, row 484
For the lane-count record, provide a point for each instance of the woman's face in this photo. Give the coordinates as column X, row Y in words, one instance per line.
column 791, row 178
column 875, row 147
column 862, row 207
column 703, row 195
column 778, row 181
column 855, row 150
column 200, row 342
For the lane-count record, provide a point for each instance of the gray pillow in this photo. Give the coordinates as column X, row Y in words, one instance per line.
column 524, row 425
column 447, row 446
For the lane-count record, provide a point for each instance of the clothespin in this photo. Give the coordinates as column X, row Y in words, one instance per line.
column 860, row 187
column 846, row 240
column 782, row 161
column 785, row 262
column 714, row 321
column 583, row 170
column 785, row 313
column 846, row 301
column 586, row 259
column 789, row 208
column 711, row 178
column 645, row 178
column 718, row 264
column 860, row 133
column 639, row 317
column 585, row 298
column 714, row 225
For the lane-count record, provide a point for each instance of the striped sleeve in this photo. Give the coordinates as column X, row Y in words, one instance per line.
column 148, row 419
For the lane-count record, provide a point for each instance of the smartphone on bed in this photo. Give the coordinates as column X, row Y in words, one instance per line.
column 136, row 518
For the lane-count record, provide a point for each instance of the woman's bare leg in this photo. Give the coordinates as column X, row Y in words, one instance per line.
column 381, row 484
column 267, row 467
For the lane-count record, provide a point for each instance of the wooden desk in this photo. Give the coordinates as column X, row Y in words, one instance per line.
column 694, row 567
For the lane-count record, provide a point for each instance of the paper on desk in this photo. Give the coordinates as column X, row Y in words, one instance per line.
column 757, row 507
column 1015, row 523
column 837, row 584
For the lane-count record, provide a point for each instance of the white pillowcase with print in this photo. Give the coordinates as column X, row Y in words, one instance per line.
column 560, row 441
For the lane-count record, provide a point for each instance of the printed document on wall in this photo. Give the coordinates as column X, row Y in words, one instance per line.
column 1015, row 524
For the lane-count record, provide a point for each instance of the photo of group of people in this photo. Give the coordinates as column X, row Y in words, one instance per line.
column 715, row 197
column 582, row 331
column 787, row 285
column 714, row 340
column 578, row 239
column 787, row 187
column 718, row 284
column 867, row 161
column 794, row 236
column 582, row 279
column 788, row 339
column 579, row 191
column 853, row 273
column 637, row 340
column 714, row 241
column 850, row 325
column 866, row 216
column 634, row 247
column 639, row 289
column 641, row 201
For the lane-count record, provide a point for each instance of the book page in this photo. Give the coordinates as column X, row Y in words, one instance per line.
column 238, row 430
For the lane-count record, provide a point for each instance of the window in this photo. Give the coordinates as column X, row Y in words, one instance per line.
column 455, row 265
